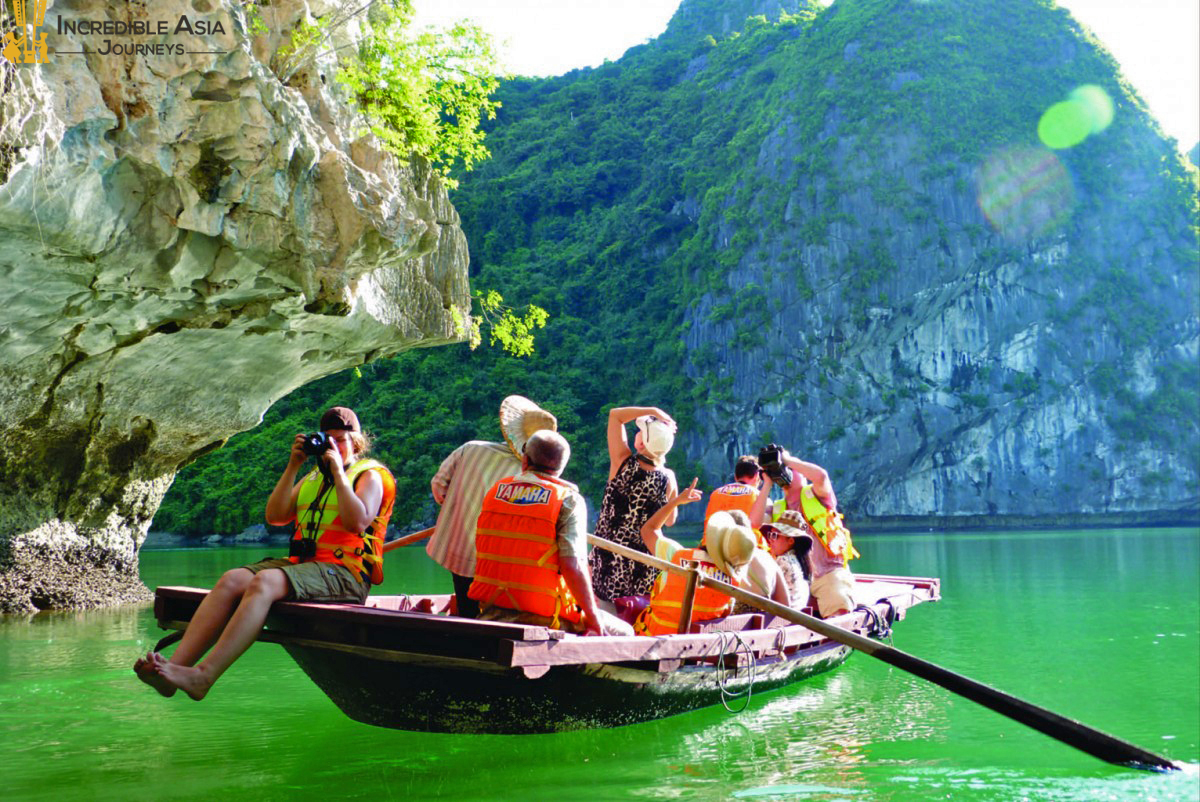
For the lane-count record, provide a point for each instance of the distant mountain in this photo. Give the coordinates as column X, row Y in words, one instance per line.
column 837, row 229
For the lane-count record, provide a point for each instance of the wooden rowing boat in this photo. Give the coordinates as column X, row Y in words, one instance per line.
column 387, row 664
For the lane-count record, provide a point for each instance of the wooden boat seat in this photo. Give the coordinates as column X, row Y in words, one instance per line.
column 730, row 623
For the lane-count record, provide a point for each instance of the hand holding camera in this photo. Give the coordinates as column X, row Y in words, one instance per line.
column 318, row 445
column 315, row 444
column 771, row 460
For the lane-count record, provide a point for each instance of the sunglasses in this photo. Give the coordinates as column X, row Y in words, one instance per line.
column 774, row 534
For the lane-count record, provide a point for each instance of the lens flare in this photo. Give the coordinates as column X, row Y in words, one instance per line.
column 1064, row 125
column 1087, row 110
column 1098, row 104
column 1024, row 192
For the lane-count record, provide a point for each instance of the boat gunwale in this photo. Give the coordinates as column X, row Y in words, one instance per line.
column 484, row 645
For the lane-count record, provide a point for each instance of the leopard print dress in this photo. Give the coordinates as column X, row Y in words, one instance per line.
column 630, row 498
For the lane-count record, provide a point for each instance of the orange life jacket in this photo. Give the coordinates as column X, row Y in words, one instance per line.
column 733, row 496
column 666, row 601
column 318, row 518
column 516, row 549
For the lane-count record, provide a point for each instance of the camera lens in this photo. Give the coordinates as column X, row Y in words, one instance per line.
column 315, row 443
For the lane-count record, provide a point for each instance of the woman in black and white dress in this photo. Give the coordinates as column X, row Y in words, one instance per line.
column 639, row 483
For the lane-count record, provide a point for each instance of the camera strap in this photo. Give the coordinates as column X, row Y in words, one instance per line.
column 317, row 509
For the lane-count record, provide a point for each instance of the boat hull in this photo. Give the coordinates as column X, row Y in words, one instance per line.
column 506, row 702
column 395, row 663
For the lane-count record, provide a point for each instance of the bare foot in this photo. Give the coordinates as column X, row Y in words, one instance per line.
column 191, row 680
column 147, row 671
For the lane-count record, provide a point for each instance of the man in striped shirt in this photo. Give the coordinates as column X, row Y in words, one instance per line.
column 463, row 479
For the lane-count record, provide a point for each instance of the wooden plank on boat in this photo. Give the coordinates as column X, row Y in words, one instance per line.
column 641, row 648
column 176, row 599
column 927, row 583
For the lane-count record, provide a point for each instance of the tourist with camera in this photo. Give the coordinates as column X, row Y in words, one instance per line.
column 808, row 490
column 340, row 510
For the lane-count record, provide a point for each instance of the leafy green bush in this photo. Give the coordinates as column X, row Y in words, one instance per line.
column 425, row 92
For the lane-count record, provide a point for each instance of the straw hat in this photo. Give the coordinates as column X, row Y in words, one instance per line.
column 729, row 545
column 519, row 418
column 657, row 437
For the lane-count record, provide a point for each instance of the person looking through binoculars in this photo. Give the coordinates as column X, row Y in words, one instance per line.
column 808, row 490
column 340, row 510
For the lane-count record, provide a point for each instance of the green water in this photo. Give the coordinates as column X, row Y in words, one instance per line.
column 1102, row 626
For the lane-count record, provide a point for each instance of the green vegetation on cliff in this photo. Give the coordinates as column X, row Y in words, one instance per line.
column 655, row 200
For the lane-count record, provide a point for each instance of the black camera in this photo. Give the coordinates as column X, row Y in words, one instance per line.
column 770, row 459
column 316, row 444
column 305, row 548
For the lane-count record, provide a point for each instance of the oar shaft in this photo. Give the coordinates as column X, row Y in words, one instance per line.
column 404, row 541
column 1094, row 742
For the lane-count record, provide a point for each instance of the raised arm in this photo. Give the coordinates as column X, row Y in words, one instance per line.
column 819, row 478
column 665, row 516
column 758, row 512
column 673, row 493
column 358, row 506
column 281, row 504
column 618, row 442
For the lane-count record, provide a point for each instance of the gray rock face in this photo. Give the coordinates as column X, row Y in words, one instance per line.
column 942, row 370
column 184, row 239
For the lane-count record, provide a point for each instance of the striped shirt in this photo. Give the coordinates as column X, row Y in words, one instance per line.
column 464, row 477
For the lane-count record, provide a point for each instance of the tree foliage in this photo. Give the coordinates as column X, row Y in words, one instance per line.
column 620, row 198
column 425, row 92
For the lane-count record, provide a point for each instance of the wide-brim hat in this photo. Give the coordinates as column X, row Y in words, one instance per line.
column 792, row 524
column 783, row 529
column 730, row 545
column 519, row 418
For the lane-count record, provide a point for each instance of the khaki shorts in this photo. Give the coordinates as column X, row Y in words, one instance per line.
column 314, row 581
column 834, row 591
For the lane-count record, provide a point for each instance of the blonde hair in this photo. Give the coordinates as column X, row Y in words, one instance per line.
column 362, row 443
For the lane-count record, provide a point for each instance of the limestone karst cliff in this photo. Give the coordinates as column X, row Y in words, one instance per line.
column 849, row 229
column 963, row 318
column 184, row 238
column 838, row 228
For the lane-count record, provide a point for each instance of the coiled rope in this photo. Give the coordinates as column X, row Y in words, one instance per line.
column 724, row 675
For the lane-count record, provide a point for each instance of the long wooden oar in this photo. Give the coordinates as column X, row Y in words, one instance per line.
column 1070, row 732
column 404, row 541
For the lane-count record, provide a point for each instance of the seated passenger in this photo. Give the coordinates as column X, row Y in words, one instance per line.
column 739, row 494
column 763, row 575
column 790, row 540
column 808, row 490
column 727, row 557
column 340, row 509
column 639, row 483
column 530, row 547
